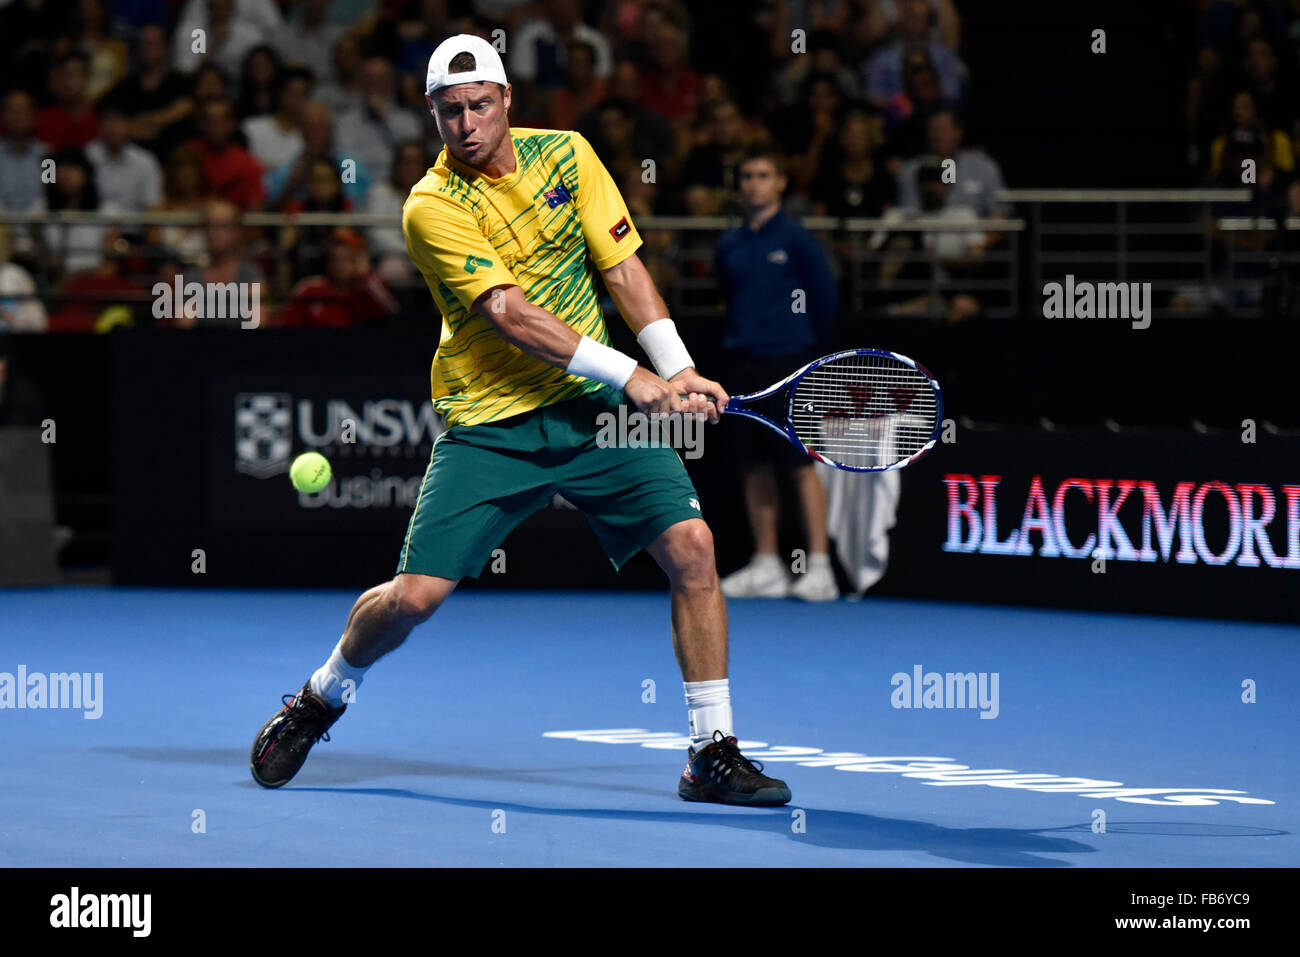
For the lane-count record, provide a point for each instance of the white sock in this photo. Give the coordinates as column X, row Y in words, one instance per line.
column 328, row 681
column 762, row 560
column 708, row 708
column 819, row 560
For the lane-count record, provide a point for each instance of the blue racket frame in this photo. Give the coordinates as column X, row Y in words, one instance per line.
column 791, row 382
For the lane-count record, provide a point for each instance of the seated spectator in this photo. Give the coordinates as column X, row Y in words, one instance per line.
column 349, row 294
column 851, row 180
column 1268, row 84
column 70, row 121
column 184, row 191
column 126, row 175
column 908, row 115
column 75, row 247
column 155, row 98
column 340, row 88
column 308, row 38
column 20, row 154
column 303, row 247
column 386, row 198
column 370, row 132
column 227, row 38
column 708, row 177
column 288, row 183
column 790, row 86
column 582, row 90
column 105, row 54
column 884, row 72
column 641, row 133
column 21, row 310
column 28, row 29
column 259, row 79
column 959, row 253
column 945, row 24
column 668, row 84
column 225, row 262
column 277, row 137
column 435, row 25
column 805, row 130
column 978, row 177
column 540, row 53
column 1246, row 125
column 230, row 170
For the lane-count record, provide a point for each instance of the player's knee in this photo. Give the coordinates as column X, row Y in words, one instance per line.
column 417, row 597
column 692, row 554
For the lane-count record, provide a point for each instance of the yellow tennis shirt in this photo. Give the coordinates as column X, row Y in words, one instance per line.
column 546, row 227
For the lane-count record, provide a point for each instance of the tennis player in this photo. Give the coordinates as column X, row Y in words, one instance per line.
column 509, row 228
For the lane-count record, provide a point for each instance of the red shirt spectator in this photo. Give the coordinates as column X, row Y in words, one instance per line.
column 71, row 120
column 350, row 294
column 231, row 171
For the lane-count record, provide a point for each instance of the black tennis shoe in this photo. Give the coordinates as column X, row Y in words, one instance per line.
column 718, row 772
column 281, row 747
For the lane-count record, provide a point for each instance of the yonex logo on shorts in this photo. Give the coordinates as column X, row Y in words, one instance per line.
column 473, row 262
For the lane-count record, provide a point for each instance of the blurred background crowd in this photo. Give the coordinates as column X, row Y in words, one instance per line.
column 220, row 108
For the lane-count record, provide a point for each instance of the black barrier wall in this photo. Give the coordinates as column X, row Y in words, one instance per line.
column 1172, row 521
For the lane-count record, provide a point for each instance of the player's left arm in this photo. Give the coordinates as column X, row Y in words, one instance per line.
column 634, row 292
column 612, row 241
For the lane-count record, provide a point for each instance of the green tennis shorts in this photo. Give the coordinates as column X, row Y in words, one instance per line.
column 483, row 480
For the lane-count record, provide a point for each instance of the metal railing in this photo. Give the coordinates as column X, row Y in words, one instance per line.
column 1179, row 240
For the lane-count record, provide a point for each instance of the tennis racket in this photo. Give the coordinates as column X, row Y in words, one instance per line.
column 862, row 410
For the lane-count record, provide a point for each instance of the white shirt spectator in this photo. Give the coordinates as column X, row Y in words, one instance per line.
column 271, row 143
column 365, row 136
column 240, row 38
column 978, row 180
column 309, row 47
column 523, row 54
column 132, row 179
column 20, row 175
column 382, row 199
column 79, row 246
column 20, row 310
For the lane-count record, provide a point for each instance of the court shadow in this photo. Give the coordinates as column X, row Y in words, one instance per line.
column 842, row 830
column 337, row 772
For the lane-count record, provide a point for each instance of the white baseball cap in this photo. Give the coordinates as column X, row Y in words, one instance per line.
column 488, row 68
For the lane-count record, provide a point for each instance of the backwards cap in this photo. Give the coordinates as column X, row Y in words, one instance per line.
column 488, row 68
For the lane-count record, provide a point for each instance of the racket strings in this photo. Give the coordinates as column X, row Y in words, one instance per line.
column 865, row 411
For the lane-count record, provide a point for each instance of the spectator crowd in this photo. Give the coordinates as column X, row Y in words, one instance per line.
column 219, row 108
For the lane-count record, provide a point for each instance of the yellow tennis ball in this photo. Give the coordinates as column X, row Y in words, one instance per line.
column 310, row 472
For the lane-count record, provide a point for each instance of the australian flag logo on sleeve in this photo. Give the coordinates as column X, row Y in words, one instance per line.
column 554, row 197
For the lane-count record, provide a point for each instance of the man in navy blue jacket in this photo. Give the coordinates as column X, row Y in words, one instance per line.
column 782, row 303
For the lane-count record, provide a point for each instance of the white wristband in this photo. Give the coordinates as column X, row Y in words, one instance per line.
column 665, row 348
column 591, row 360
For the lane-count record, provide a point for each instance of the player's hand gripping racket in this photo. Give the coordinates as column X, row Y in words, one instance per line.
column 863, row 410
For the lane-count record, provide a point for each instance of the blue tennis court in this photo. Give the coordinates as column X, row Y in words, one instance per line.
column 536, row 729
